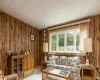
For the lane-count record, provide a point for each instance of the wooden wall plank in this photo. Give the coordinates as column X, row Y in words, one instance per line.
column 15, row 35
column 94, row 33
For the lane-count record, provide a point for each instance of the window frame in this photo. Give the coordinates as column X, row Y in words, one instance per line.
column 65, row 38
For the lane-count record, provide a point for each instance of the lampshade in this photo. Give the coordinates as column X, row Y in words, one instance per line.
column 45, row 47
column 88, row 45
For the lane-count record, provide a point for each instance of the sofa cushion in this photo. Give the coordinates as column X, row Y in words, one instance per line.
column 66, row 68
column 75, row 76
column 57, row 60
column 75, row 72
column 67, row 61
column 61, row 60
column 55, row 66
column 74, row 61
column 51, row 60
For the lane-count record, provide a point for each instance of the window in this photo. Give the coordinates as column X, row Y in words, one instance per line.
column 61, row 42
column 65, row 41
column 70, row 41
column 53, row 43
column 77, row 40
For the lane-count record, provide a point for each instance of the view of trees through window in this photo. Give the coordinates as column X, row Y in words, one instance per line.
column 61, row 42
column 54, row 39
column 77, row 40
column 70, row 41
column 65, row 41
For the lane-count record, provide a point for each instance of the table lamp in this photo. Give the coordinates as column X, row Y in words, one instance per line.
column 87, row 49
column 45, row 50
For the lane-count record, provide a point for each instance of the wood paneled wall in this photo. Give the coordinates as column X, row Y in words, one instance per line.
column 41, row 32
column 94, row 33
column 15, row 35
column 41, row 40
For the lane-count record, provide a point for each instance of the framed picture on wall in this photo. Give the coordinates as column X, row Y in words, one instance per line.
column 32, row 37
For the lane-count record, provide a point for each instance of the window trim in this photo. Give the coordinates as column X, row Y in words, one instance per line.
column 59, row 32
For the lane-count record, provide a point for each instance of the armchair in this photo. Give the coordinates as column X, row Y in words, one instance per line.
column 8, row 77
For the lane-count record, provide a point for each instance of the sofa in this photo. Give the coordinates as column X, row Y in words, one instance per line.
column 8, row 77
column 71, row 64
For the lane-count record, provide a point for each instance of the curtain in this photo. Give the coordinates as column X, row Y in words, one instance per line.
column 83, row 34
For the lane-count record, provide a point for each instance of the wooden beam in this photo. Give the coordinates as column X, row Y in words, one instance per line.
column 68, row 54
column 70, row 24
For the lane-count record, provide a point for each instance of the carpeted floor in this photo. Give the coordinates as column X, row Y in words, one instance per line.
column 34, row 77
column 37, row 75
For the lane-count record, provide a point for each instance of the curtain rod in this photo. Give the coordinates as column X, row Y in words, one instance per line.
column 70, row 24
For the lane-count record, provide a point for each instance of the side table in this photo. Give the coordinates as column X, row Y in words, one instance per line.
column 43, row 65
column 88, row 73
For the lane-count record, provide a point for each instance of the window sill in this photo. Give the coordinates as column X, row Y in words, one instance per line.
column 68, row 53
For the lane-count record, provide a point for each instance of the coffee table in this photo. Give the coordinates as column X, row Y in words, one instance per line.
column 56, row 72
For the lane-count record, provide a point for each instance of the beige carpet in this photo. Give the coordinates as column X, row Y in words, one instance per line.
column 34, row 77
column 37, row 75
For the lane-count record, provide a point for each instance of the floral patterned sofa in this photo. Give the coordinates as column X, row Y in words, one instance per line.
column 71, row 64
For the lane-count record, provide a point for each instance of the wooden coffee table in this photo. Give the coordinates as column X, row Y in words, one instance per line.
column 57, row 73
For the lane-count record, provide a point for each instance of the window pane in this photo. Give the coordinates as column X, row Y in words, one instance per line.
column 77, row 40
column 61, row 42
column 53, row 42
column 70, row 41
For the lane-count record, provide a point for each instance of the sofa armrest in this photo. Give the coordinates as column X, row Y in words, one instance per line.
column 11, row 77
